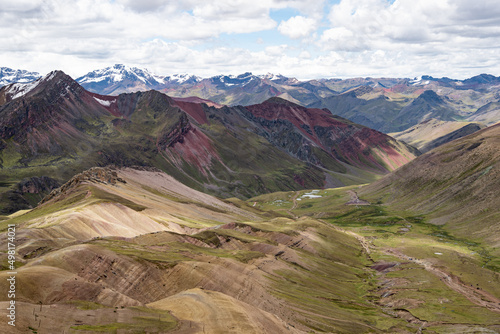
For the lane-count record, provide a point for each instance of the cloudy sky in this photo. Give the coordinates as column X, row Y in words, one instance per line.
column 301, row 38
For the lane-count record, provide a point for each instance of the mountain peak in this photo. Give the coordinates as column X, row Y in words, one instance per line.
column 119, row 79
column 8, row 76
column 117, row 73
column 482, row 79
column 16, row 90
column 271, row 76
column 279, row 100
column 120, row 66
column 430, row 95
column 102, row 175
column 183, row 78
column 243, row 75
column 53, row 74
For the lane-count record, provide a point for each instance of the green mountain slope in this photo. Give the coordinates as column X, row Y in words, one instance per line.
column 58, row 129
column 455, row 185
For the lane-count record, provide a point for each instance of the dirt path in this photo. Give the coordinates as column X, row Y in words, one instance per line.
column 478, row 297
column 294, row 200
column 294, row 206
column 362, row 240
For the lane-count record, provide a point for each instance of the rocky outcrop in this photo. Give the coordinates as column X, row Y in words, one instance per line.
column 105, row 175
column 174, row 134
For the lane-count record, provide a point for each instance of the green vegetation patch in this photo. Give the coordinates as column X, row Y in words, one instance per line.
column 86, row 305
column 440, row 303
column 144, row 320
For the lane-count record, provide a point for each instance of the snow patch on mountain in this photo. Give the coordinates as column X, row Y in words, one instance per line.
column 272, row 77
column 118, row 73
column 104, row 102
column 8, row 76
column 17, row 90
column 49, row 76
column 182, row 78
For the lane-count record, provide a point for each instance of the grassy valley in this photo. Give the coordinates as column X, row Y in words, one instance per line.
column 131, row 250
column 266, row 271
column 437, row 282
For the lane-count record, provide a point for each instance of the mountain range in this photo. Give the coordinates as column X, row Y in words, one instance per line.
column 143, row 212
column 54, row 127
column 384, row 104
column 8, row 76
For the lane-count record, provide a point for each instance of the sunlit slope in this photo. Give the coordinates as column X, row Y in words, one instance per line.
column 146, row 246
column 129, row 202
column 433, row 133
column 426, row 276
column 456, row 185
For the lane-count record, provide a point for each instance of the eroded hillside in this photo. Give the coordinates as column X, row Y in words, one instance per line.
column 136, row 250
column 133, row 250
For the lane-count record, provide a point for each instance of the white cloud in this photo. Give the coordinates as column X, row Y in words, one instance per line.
column 342, row 39
column 297, row 27
column 379, row 24
column 305, row 55
column 276, row 50
column 90, row 18
column 405, row 36
column 455, row 38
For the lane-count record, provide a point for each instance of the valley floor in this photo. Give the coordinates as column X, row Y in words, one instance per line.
column 141, row 253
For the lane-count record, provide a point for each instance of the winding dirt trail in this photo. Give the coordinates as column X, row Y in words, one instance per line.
column 294, row 206
column 362, row 240
column 294, row 200
column 478, row 297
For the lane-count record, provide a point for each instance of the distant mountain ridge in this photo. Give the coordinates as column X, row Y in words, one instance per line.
column 124, row 79
column 8, row 76
column 384, row 104
column 117, row 73
column 55, row 127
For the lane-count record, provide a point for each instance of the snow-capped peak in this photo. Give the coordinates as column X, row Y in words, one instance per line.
column 271, row 76
column 244, row 76
column 420, row 81
column 8, row 76
column 182, row 78
column 49, row 76
column 17, row 90
column 232, row 80
column 118, row 73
